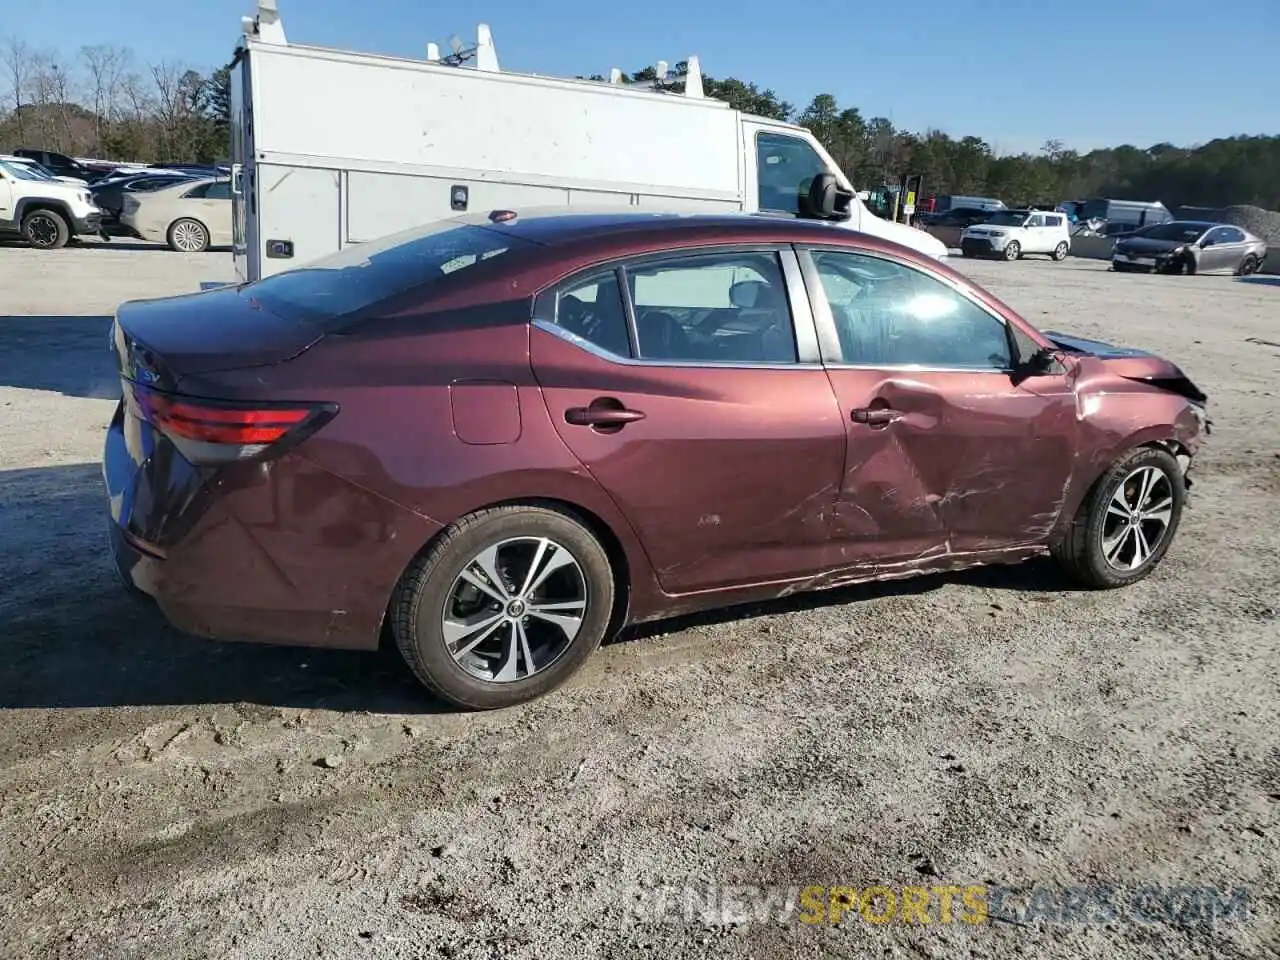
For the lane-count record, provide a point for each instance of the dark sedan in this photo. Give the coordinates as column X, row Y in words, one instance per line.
column 1189, row 246
column 502, row 439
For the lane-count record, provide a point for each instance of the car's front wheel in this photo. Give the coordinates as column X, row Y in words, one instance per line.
column 1012, row 250
column 504, row 606
column 1127, row 522
column 45, row 229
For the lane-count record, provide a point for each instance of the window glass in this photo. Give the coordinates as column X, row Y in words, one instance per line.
column 785, row 166
column 219, row 191
column 887, row 314
column 1036, row 220
column 1231, row 235
column 362, row 274
column 197, row 193
column 1053, row 221
column 593, row 310
column 713, row 308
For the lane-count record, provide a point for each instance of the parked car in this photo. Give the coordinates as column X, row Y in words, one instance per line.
column 190, row 216
column 59, row 164
column 109, row 193
column 1124, row 215
column 40, row 170
column 1012, row 234
column 1189, row 246
column 42, row 210
column 507, row 437
column 959, row 217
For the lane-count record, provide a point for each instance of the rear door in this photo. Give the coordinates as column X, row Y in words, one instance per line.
column 689, row 385
column 948, row 451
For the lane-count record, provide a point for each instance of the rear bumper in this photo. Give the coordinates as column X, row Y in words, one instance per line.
column 281, row 553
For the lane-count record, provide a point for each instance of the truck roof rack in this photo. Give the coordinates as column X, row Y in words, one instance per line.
column 266, row 27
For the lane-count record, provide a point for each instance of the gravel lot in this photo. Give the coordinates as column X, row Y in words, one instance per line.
column 162, row 796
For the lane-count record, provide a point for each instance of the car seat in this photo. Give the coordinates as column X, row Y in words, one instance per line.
column 764, row 308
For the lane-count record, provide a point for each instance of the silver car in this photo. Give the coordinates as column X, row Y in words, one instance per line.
column 1189, row 246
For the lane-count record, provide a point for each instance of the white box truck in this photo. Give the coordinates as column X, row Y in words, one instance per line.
column 330, row 147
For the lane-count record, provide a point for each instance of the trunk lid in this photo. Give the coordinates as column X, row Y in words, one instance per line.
column 156, row 342
column 1131, row 363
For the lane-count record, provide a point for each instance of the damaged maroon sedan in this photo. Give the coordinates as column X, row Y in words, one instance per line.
column 503, row 438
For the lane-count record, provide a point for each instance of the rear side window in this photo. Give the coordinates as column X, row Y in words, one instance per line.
column 218, row 191
column 363, row 274
column 1053, row 221
column 198, row 193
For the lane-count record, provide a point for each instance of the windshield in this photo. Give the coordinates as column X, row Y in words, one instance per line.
column 20, row 171
column 1007, row 218
column 1179, row 232
column 363, row 274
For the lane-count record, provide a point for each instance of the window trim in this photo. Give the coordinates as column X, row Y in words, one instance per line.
column 803, row 324
column 829, row 340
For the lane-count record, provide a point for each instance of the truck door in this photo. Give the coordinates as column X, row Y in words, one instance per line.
column 780, row 166
column 245, row 248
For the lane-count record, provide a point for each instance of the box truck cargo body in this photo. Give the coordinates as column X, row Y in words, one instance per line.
column 331, row 147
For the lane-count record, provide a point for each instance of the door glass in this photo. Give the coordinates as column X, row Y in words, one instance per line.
column 785, row 166
column 197, row 193
column 713, row 308
column 887, row 314
column 1036, row 221
column 593, row 310
column 218, row 191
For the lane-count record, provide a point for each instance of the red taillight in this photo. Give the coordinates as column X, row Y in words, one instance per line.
column 217, row 430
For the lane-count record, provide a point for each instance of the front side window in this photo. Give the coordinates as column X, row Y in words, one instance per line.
column 713, row 308
column 887, row 315
column 785, row 167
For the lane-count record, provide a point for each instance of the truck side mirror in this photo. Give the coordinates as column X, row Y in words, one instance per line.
column 826, row 199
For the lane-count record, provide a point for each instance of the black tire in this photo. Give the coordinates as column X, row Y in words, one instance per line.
column 419, row 604
column 45, row 229
column 188, row 227
column 1012, row 250
column 1081, row 550
column 1187, row 265
column 1060, row 252
column 1248, row 266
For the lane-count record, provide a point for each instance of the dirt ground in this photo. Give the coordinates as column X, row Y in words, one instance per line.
column 162, row 796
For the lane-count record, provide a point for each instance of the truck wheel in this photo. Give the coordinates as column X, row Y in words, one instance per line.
column 1060, row 251
column 45, row 229
column 1126, row 523
column 505, row 606
column 188, row 236
column 1012, row 250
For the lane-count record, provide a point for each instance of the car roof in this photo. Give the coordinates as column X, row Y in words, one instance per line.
column 554, row 226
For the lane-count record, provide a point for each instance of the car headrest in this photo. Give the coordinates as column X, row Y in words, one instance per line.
column 753, row 295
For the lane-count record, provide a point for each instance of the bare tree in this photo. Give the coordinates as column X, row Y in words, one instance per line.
column 17, row 60
column 106, row 66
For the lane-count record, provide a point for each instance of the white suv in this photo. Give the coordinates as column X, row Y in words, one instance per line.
column 46, row 213
column 1012, row 233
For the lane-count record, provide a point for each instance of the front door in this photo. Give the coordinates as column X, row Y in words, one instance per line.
column 680, row 384
column 948, row 452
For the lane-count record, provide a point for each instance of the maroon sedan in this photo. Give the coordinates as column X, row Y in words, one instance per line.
column 505, row 437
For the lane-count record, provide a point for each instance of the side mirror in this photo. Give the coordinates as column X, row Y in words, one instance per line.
column 826, row 199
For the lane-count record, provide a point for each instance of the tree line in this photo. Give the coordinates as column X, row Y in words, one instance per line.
column 104, row 103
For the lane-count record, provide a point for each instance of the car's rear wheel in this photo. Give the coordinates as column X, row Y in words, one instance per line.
column 1013, row 250
column 188, row 236
column 1060, row 251
column 45, row 230
column 1249, row 265
column 504, row 606
column 1127, row 522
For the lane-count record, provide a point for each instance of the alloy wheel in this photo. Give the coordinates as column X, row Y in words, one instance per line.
column 188, row 236
column 1138, row 518
column 42, row 231
column 514, row 610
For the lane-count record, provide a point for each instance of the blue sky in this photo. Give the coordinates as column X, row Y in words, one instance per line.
column 1016, row 72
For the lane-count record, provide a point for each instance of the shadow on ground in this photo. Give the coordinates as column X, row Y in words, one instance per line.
column 71, row 637
column 1263, row 281
column 69, row 355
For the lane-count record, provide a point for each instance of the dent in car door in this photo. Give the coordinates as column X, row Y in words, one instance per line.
column 947, row 453
column 725, row 467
